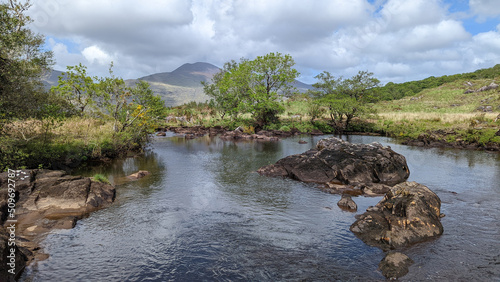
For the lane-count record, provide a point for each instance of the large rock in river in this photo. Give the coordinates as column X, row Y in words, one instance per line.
column 337, row 162
column 408, row 213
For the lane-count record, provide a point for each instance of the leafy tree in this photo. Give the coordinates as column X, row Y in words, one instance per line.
column 22, row 63
column 271, row 78
column 229, row 88
column 345, row 98
column 254, row 87
column 78, row 89
column 110, row 97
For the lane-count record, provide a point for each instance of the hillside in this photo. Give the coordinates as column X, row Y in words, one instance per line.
column 456, row 114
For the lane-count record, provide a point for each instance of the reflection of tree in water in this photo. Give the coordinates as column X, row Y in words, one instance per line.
column 234, row 171
column 117, row 170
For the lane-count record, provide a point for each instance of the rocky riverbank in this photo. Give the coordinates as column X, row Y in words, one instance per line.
column 34, row 202
column 439, row 139
column 191, row 132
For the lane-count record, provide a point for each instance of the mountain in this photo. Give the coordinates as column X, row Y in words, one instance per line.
column 187, row 75
column 182, row 85
column 51, row 79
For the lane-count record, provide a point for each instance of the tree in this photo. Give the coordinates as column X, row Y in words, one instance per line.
column 22, row 63
column 345, row 98
column 77, row 88
column 229, row 88
column 271, row 78
column 110, row 97
column 254, row 87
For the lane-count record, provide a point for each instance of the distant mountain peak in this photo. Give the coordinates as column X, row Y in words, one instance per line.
column 205, row 69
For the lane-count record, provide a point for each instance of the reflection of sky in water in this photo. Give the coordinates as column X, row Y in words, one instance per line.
column 205, row 214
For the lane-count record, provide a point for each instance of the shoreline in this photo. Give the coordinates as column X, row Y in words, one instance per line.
column 424, row 140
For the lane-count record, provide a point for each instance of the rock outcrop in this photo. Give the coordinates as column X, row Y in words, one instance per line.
column 234, row 135
column 45, row 200
column 358, row 168
column 409, row 213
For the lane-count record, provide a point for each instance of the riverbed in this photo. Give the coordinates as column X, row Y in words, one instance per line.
column 205, row 214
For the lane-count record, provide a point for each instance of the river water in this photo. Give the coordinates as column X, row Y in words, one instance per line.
column 205, row 215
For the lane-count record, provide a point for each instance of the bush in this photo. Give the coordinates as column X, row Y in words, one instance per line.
column 285, row 128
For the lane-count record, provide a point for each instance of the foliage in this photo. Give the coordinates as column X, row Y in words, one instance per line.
column 344, row 98
column 109, row 97
column 78, row 89
column 22, row 63
column 254, row 87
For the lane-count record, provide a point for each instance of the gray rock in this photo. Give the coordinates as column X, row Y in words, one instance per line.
column 395, row 265
column 16, row 264
column 408, row 213
column 335, row 161
column 346, row 203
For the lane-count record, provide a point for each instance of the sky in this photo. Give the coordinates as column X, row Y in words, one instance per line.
column 397, row 40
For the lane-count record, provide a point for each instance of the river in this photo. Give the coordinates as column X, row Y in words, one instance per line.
column 204, row 214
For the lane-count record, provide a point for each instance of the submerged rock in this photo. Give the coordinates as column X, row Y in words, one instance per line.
column 139, row 174
column 408, row 213
column 395, row 265
column 339, row 164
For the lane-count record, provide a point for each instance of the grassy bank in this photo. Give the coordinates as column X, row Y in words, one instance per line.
column 62, row 144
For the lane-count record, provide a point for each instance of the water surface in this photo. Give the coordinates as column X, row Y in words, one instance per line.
column 205, row 214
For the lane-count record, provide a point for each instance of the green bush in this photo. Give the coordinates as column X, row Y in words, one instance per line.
column 285, row 128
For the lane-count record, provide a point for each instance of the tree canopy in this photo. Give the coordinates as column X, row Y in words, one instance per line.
column 253, row 86
column 345, row 98
column 109, row 97
column 22, row 63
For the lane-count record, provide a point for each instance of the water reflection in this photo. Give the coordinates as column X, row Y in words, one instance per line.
column 205, row 214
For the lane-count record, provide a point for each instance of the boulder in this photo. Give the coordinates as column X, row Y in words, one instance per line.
column 57, row 192
column 337, row 162
column 408, row 213
column 346, row 203
column 395, row 265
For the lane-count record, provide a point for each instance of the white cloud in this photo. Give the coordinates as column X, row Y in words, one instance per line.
column 404, row 14
column 94, row 54
column 398, row 40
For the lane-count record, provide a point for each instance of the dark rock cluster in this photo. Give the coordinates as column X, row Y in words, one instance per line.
column 409, row 212
column 340, row 165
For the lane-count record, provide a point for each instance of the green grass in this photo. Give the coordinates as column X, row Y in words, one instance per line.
column 101, row 178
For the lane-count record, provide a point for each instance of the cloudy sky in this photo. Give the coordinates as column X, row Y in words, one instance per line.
column 397, row 40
